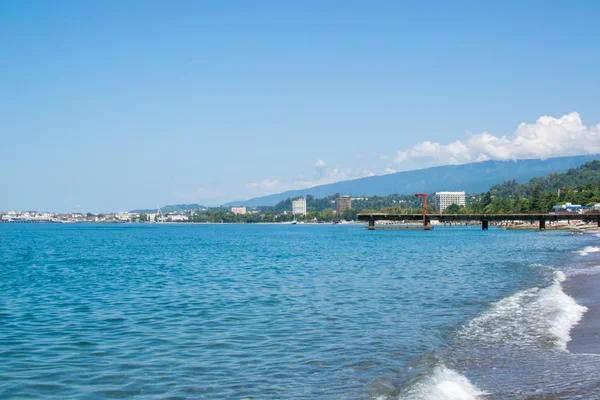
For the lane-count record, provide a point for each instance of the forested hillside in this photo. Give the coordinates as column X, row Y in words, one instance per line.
column 578, row 186
column 586, row 175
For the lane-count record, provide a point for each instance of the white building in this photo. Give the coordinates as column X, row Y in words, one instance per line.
column 177, row 217
column 238, row 210
column 570, row 208
column 122, row 216
column 151, row 217
column 445, row 199
column 299, row 207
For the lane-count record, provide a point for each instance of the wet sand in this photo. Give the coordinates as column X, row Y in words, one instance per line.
column 585, row 336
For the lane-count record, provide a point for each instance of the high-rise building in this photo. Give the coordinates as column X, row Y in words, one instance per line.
column 445, row 199
column 299, row 206
column 238, row 210
column 342, row 203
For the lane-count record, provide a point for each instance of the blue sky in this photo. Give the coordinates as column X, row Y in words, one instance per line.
column 109, row 106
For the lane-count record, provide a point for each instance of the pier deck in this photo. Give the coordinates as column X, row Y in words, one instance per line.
column 485, row 219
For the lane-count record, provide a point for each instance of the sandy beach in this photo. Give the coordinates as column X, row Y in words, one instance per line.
column 585, row 336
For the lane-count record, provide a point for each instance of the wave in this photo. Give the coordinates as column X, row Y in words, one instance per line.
column 532, row 317
column 593, row 270
column 442, row 384
column 587, row 250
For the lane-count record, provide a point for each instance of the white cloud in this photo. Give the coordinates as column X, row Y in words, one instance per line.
column 547, row 137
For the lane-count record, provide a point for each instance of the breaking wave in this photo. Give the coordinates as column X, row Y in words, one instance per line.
column 442, row 384
column 532, row 317
column 587, row 250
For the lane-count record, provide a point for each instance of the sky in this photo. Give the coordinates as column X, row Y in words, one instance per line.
column 116, row 105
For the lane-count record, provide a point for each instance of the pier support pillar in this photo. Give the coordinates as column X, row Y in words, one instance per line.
column 371, row 224
column 485, row 225
column 542, row 224
column 598, row 223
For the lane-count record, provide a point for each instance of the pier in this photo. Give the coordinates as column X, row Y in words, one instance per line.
column 484, row 219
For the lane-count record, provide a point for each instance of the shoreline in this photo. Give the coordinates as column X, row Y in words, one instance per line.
column 585, row 336
column 174, row 223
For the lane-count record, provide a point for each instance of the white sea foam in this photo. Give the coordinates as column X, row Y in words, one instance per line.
column 529, row 318
column 587, row 250
column 442, row 384
column 594, row 270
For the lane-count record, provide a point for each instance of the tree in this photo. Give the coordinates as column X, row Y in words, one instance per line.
column 476, row 207
column 536, row 197
column 453, row 209
column 487, row 199
column 350, row 214
column 548, row 200
column 312, row 216
column 517, row 204
column 327, row 215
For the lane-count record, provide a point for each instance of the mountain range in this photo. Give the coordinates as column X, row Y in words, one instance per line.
column 170, row 208
column 472, row 178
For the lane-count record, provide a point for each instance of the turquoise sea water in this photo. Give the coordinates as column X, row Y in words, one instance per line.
column 283, row 311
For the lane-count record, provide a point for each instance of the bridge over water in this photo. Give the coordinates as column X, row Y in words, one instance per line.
column 485, row 219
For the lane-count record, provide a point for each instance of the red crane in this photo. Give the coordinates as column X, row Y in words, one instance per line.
column 424, row 196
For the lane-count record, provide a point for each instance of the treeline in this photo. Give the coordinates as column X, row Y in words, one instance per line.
column 223, row 215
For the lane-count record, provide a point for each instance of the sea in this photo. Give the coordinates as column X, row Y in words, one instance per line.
column 134, row 311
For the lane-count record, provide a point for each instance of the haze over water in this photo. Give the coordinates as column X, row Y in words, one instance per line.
column 281, row 311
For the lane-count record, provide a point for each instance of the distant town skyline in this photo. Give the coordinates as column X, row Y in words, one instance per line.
column 112, row 107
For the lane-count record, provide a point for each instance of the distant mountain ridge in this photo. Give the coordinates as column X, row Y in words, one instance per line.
column 472, row 178
column 170, row 208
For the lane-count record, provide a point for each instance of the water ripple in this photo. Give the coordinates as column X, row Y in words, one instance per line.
column 186, row 312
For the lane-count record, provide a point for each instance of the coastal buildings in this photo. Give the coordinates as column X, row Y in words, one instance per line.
column 445, row 199
column 299, row 206
column 238, row 210
column 569, row 208
column 342, row 203
column 123, row 216
column 28, row 216
column 177, row 217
